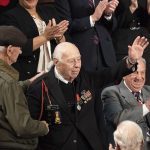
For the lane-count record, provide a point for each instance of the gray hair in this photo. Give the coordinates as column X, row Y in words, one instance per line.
column 128, row 136
column 2, row 48
column 62, row 48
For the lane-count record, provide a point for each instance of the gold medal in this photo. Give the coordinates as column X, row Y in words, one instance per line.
column 57, row 117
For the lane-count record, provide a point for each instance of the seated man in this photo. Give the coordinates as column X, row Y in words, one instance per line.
column 128, row 136
column 18, row 131
column 128, row 101
column 65, row 96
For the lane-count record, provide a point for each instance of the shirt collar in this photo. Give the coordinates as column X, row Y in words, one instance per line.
column 59, row 76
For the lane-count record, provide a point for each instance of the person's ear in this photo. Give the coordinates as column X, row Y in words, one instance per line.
column 9, row 50
column 55, row 60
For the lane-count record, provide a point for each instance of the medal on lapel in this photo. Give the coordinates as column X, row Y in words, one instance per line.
column 78, row 102
column 85, row 97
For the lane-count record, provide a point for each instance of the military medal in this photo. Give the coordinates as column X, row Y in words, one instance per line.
column 78, row 102
column 57, row 117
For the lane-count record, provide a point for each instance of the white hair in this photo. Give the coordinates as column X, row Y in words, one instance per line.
column 62, row 48
column 2, row 48
column 128, row 136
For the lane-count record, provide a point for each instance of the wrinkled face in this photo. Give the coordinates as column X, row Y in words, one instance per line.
column 28, row 4
column 70, row 64
column 13, row 54
column 136, row 80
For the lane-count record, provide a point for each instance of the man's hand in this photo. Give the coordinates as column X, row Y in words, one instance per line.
column 46, row 124
column 111, row 7
column 135, row 51
column 36, row 76
column 99, row 10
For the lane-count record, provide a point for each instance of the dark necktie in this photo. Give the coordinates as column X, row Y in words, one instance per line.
column 137, row 95
column 91, row 4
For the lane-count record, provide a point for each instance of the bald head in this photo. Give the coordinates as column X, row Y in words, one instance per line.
column 67, row 60
column 64, row 49
column 128, row 136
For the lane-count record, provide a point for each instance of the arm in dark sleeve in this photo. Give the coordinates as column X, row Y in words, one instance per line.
column 77, row 24
column 111, row 74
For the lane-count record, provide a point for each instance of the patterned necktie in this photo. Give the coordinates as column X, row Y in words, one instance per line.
column 137, row 95
column 91, row 4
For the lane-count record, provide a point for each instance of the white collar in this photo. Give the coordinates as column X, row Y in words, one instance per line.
column 59, row 76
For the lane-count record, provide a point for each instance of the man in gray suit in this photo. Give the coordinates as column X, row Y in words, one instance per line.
column 130, row 100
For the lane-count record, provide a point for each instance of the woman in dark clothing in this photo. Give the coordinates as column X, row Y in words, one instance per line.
column 37, row 24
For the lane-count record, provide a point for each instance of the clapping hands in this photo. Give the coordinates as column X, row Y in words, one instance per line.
column 54, row 30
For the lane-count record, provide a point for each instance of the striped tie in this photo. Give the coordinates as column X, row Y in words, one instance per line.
column 91, row 4
column 137, row 95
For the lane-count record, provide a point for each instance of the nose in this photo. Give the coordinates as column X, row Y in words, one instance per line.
column 139, row 76
column 77, row 63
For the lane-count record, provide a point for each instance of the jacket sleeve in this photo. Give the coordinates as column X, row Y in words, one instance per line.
column 18, row 114
column 117, row 110
column 64, row 11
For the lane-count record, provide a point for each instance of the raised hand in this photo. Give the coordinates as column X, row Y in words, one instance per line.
column 135, row 51
column 99, row 10
column 111, row 7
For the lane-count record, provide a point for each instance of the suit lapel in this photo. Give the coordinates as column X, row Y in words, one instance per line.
column 53, row 85
column 128, row 96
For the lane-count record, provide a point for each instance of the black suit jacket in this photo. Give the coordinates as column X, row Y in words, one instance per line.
column 120, row 104
column 88, row 125
column 19, row 17
column 94, row 43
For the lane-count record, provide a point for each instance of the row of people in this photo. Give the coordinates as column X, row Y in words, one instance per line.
column 65, row 97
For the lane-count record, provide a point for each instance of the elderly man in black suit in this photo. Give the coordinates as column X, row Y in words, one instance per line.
column 128, row 101
column 65, row 96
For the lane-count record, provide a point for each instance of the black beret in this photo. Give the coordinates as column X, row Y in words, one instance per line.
column 10, row 35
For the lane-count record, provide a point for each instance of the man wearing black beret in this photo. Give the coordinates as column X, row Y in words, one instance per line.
column 18, row 131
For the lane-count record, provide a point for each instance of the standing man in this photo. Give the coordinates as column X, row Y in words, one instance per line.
column 18, row 131
column 128, row 101
column 65, row 96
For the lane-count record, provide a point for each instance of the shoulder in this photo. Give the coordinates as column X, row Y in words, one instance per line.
column 110, row 89
column 147, row 88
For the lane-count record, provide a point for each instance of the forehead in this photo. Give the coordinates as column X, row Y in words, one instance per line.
column 71, row 54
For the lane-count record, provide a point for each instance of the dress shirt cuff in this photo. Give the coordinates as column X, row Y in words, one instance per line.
column 145, row 110
column 108, row 17
column 92, row 23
